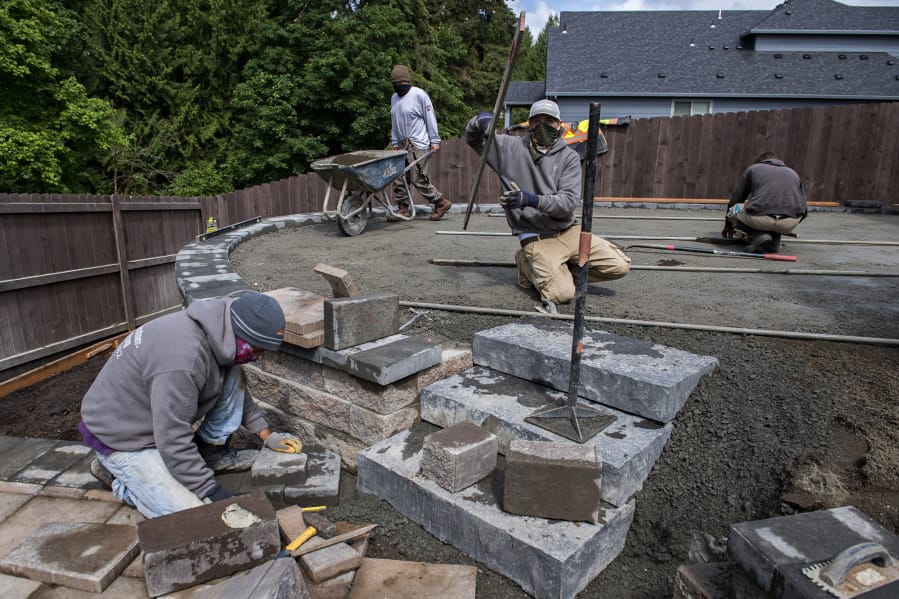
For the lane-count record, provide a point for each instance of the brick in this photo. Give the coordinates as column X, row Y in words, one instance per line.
column 277, row 579
column 28, row 518
column 371, row 427
column 196, row 545
column 341, row 283
column 351, row 321
column 291, row 523
column 383, row 399
column 459, row 456
column 303, row 310
column 324, row 528
column 301, row 400
column 553, row 480
column 378, row 578
column 18, row 588
column 84, row 556
column 51, row 463
column 276, row 468
column 329, row 562
column 392, row 362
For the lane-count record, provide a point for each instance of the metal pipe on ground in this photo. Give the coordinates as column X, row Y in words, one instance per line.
column 718, row 269
column 660, row 324
column 620, row 217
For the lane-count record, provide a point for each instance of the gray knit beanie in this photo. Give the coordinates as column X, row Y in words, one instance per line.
column 259, row 320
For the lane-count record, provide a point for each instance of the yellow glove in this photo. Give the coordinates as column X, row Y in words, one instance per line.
column 284, row 443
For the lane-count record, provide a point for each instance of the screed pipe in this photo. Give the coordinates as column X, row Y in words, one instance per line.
column 660, row 324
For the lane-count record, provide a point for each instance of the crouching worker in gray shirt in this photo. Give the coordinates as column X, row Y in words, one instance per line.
column 176, row 370
column 541, row 178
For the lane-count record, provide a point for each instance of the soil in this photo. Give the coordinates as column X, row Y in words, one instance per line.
column 782, row 426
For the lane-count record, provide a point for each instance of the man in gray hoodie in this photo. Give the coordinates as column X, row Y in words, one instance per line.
column 541, row 178
column 167, row 375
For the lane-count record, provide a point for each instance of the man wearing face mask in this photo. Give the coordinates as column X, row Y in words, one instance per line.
column 168, row 374
column 541, row 177
column 414, row 129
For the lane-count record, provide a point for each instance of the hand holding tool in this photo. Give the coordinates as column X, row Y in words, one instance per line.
column 517, row 198
column 283, row 443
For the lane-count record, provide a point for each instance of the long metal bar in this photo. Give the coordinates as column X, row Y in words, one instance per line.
column 653, row 323
column 497, row 107
column 623, row 217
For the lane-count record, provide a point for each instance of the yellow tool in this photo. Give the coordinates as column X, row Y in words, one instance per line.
column 295, row 544
column 314, row 508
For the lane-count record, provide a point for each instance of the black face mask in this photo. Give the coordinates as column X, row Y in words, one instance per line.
column 402, row 88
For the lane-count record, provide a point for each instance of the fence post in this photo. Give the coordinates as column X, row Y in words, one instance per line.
column 122, row 254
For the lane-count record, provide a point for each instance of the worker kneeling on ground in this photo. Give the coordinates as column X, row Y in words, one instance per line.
column 769, row 201
column 541, row 178
column 167, row 375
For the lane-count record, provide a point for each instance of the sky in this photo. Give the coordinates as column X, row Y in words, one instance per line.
column 538, row 11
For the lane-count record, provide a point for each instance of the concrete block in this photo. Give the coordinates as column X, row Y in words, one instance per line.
column 28, row 518
column 350, row 321
column 499, row 403
column 547, row 558
column 322, row 486
column 78, row 475
column 329, row 562
column 343, row 444
column 277, row 579
column 383, row 399
column 553, row 480
column 303, row 311
column 196, row 545
column 291, row 523
column 767, row 549
column 301, row 400
column 277, row 468
column 341, row 283
column 392, row 362
column 78, row 555
column 333, row 588
column 370, row 427
column 379, row 578
column 20, row 588
column 324, row 528
column 454, row 359
column 634, row 376
column 20, row 453
column 292, row 367
column 51, row 463
column 312, row 339
column 459, row 456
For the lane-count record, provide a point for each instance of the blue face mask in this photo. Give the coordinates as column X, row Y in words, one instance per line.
column 245, row 353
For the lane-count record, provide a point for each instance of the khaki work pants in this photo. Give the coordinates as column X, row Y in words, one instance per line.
column 762, row 222
column 548, row 262
column 417, row 177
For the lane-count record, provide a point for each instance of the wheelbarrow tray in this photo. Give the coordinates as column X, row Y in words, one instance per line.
column 363, row 170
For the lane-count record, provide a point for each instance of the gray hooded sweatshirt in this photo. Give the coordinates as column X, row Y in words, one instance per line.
column 555, row 179
column 165, row 376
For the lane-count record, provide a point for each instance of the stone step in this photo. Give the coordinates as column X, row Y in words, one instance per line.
column 499, row 403
column 635, row 376
column 548, row 558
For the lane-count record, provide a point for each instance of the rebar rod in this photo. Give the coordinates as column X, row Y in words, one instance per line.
column 698, row 239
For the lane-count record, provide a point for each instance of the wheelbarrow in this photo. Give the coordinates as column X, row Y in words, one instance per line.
column 362, row 178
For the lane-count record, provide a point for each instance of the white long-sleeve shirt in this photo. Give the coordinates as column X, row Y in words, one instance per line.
column 412, row 117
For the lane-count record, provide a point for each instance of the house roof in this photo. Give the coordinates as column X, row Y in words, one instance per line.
column 525, row 93
column 814, row 16
column 702, row 54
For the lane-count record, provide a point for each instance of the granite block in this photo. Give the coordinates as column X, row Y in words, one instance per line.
column 394, row 361
column 322, row 486
column 328, row 562
column 459, row 455
column 277, row 468
column 383, row 399
column 351, row 321
column 370, row 427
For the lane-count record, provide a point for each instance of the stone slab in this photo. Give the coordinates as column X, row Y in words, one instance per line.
column 766, row 548
column 499, row 403
column 548, row 558
column 413, row 580
column 78, row 476
column 553, row 480
column 277, row 468
column 341, row 282
column 333, row 588
column 39, row 510
column 304, row 311
column 459, row 455
column 276, row 579
column 196, row 545
column 350, row 321
column 18, row 588
column 394, row 361
column 10, row 502
column 328, row 562
column 291, row 523
column 50, row 464
column 312, row 339
column 322, row 486
column 21, row 452
column 78, row 555
column 631, row 375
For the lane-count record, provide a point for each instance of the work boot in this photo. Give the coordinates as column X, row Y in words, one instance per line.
column 760, row 243
column 441, row 207
column 402, row 209
column 775, row 243
column 520, row 266
column 101, row 473
column 221, row 458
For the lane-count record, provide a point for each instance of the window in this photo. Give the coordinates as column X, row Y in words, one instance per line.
column 685, row 108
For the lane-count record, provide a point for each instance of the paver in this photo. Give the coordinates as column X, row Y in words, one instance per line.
column 547, row 558
column 20, row 588
column 413, row 580
column 51, row 463
column 341, row 283
column 459, row 456
column 291, row 523
column 38, row 510
column 10, row 502
column 635, row 376
column 720, row 580
column 277, row 579
column 196, row 545
column 78, row 555
column 553, row 480
column 629, row 446
column 277, row 468
column 333, row 588
column 329, row 562
column 350, row 321
column 773, row 551
column 20, row 453
column 382, row 399
column 303, row 310
column 394, row 361
column 78, row 475
column 322, row 486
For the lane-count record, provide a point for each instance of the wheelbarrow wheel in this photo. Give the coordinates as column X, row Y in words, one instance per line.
column 354, row 225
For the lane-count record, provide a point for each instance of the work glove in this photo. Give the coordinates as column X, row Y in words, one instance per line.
column 284, row 443
column 517, row 198
column 483, row 119
column 219, row 493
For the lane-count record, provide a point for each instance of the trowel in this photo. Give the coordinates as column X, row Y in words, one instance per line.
column 859, row 569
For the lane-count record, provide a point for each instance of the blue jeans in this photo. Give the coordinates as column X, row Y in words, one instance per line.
column 142, row 479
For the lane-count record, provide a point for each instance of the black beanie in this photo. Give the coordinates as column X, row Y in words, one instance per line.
column 258, row 319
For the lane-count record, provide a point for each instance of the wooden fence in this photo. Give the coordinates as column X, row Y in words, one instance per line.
column 74, row 269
